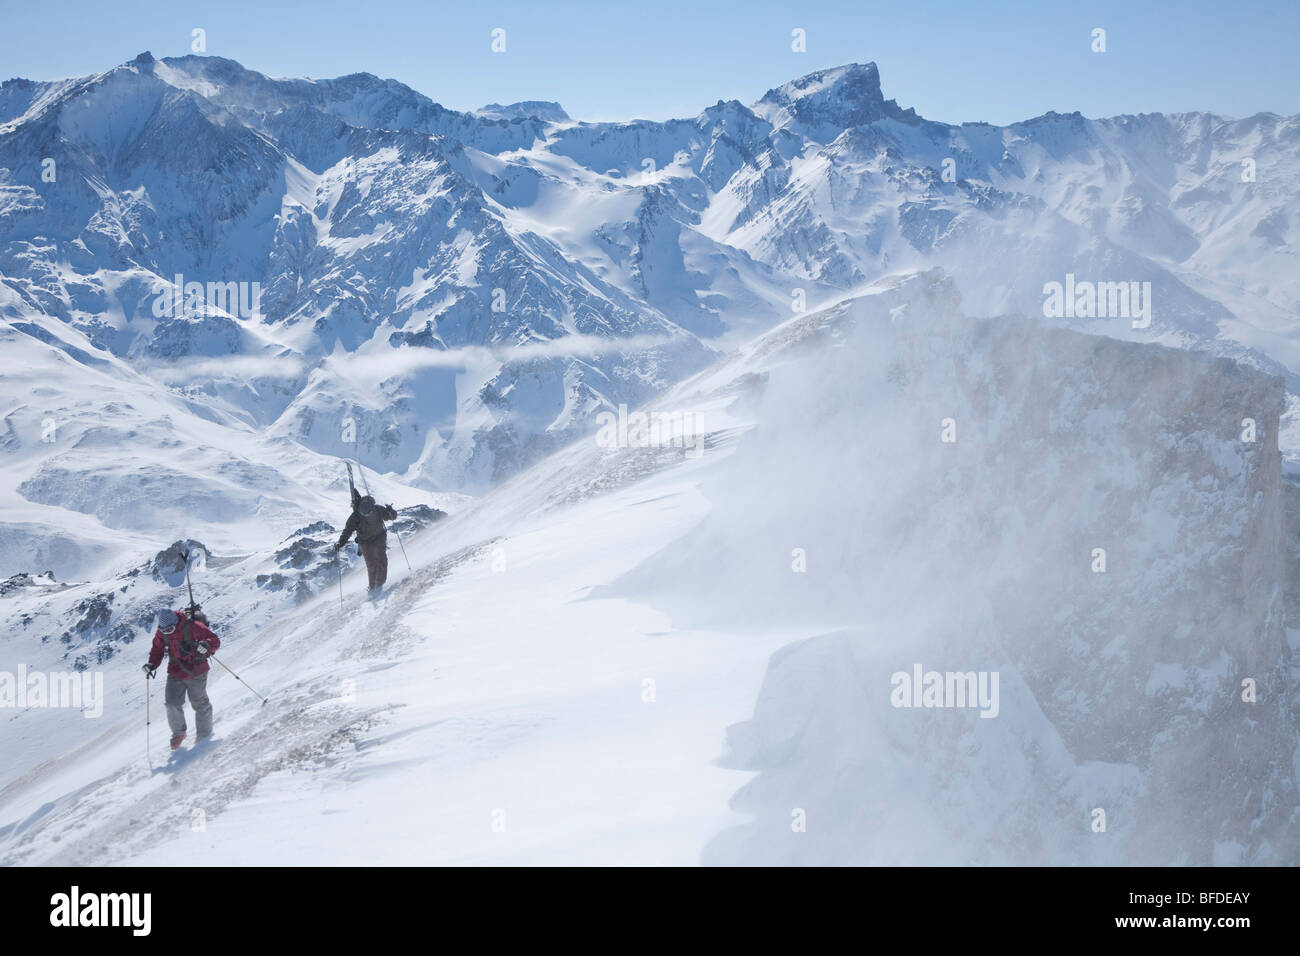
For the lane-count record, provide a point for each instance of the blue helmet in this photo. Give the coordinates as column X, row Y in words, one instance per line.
column 167, row 618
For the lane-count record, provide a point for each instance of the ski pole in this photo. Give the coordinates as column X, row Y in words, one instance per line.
column 238, row 678
column 148, row 697
column 399, row 541
column 339, row 568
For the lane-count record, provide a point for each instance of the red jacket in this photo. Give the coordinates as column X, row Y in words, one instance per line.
column 180, row 664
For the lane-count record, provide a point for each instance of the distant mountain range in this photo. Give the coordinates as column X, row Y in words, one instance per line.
column 453, row 295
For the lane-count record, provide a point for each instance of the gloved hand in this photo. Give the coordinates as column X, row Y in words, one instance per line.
column 202, row 649
column 149, row 670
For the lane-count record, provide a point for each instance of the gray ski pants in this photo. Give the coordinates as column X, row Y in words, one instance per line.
column 197, row 688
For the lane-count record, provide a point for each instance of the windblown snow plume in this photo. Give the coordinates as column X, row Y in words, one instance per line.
column 1083, row 519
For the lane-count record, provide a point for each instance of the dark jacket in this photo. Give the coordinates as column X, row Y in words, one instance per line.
column 370, row 528
column 183, row 661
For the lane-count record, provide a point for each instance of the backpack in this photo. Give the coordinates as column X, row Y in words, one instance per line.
column 370, row 527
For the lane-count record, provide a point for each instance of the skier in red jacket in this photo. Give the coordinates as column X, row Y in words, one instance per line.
column 187, row 641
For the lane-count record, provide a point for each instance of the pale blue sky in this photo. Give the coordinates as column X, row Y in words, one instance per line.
column 955, row 60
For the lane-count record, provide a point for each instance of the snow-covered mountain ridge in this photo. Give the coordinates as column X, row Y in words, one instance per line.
column 612, row 256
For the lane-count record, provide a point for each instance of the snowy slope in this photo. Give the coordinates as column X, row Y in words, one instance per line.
column 495, row 706
column 473, row 689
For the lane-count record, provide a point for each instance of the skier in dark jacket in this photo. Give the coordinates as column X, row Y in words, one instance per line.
column 367, row 523
column 188, row 641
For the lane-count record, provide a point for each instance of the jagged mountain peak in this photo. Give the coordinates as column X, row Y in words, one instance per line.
column 863, row 78
column 831, row 99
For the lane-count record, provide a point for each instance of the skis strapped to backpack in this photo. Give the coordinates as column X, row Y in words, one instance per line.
column 361, row 468
column 192, row 613
column 351, row 484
